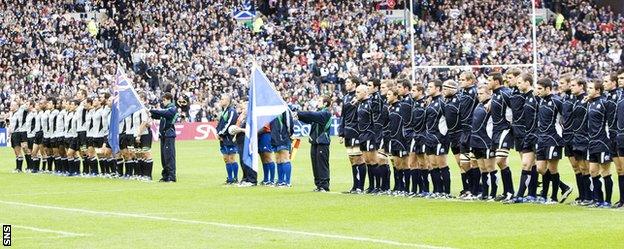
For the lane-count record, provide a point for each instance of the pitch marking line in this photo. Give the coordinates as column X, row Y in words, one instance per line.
column 226, row 225
column 62, row 234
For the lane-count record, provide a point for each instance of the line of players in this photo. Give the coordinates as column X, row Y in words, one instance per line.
column 393, row 121
column 52, row 135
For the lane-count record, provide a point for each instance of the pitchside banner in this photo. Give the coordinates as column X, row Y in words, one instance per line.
column 208, row 131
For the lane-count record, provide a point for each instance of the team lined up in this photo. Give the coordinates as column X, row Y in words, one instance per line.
column 53, row 135
column 414, row 128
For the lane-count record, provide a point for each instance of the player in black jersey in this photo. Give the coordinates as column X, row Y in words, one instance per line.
column 468, row 102
column 481, row 145
column 502, row 117
column 381, row 173
column 453, row 122
column 436, row 140
column 619, row 165
column 612, row 95
column 417, row 159
column 580, row 141
column 404, row 88
column 568, row 101
column 367, row 136
column 516, row 100
column 599, row 144
column 395, row 141
column 375, row 103
column 348, row 130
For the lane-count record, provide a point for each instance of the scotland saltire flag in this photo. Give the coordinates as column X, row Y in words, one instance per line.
column 125, row 102
column 265, row 104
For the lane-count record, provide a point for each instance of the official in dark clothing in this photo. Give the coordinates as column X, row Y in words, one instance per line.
column 319, row 140
column 167, row 117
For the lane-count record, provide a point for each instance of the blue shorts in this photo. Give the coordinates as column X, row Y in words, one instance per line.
column 264, row 143
column 281, row 147
column 229, row 150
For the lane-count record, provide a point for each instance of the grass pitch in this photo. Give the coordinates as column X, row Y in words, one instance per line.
column 198, row 211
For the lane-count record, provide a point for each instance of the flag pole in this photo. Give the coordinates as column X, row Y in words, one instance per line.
column 411, row 30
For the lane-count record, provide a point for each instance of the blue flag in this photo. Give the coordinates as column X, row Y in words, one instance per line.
column 265, row 104
column 125, row 102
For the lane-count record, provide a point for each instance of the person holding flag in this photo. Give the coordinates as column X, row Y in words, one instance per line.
column 319, row 139
column 167, row 116
column 282, row 128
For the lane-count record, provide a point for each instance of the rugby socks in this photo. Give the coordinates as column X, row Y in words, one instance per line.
column 533, row 182
column 371, row 176
column 271, row 172
column 507, row 181
column 554, row 178
column 407, row 180
column 44, row 163
column 361, row 171
column 399, row 185
column 35, row 166
column 280, row 172
column 587, row 187
column 287, row 172
column 493, row 183
column 120, row 165
column 149, row 164
column 18, row 163
column 525, row 181
column 28, row 162
column 436, row 180
column 378, row 171
column 579, row 185
column 395, row 172
column 385, row 170
column 65, row 163
column 228, row 169
column 621, row 187
column 94, row 166
column 139, row 167
column 424, row 175
column 546, row 184
column 354, row 173
column 596, row 186
column 416, row 180
column 265, row 172
column 130, row 168
column 485, row 181
column 464, row 179
column 445, row 175
column 102, row 164
column 608, row 183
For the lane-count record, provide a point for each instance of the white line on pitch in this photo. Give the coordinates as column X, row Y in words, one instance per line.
column 217, row 224
column 43, row 230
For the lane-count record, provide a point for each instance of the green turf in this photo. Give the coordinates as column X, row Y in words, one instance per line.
column 132, row 214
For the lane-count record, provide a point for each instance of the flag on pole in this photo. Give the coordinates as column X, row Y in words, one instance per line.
column 265, row 104
column 125, row 102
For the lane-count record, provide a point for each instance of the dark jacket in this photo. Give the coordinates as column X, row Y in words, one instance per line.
column 167, row 118
column 321, row 122
column 228, row 118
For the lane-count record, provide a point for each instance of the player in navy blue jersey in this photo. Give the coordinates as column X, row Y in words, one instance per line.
column 453, row 123
column 619, row 165
column 612, row 95
column 512, row 76
column 468, row 102
column 549, row 143
column 580, row 141
column 528, row 176
column 420, row 177
column 367, row 136
column 568, row 100
column 502, row 116
column 282, row 129
column 481, row 144
column 381, row 173
column 376, row 104
column 228, row 147
column 599, row 143
column 404, row 88
column 436, row 140
column 395, row 141
column 348, row 130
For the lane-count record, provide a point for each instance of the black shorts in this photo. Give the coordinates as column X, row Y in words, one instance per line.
column 31, row 142
column 369, row 145
column 464, row 143
column 47, row 142
column 568, row 151
column 455, row 148
column 518, row 143
column 480, row 153
column 620, row 152
column 17, row 138
column 396, row 148
column 82, row 139
column 98, row 142
column 601, row 157
column 54, row 142
column 502, row 140
column 548, row 153
column 145, row 142
column 417, row 146
column 351, row 142
column 125, row 141
column 528, row 144
column 72, row 143
column 437, row 150
column 39, row 137
column 580, row 155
